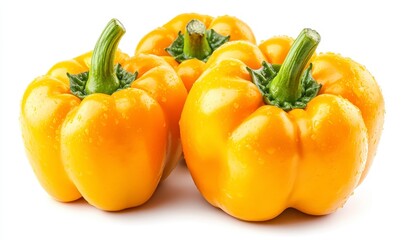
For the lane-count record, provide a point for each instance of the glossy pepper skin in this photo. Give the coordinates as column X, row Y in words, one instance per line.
column 253, row 160
column 157, row 41
column 111, row 149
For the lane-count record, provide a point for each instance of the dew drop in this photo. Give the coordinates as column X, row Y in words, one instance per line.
column 100, row 140
column 270, row 151
column 236, row 105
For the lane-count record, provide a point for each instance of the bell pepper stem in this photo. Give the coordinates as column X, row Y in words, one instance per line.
column 196, row 44
column 286, row 86
column 102, row 76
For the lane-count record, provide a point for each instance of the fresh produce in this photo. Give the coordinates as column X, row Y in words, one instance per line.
column 188, row 40
column 260, row 135
column 104, row 126
column 263, row 127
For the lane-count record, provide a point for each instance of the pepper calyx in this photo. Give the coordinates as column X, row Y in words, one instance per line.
column 196, row 42
column 263, row 76
column 77, row 82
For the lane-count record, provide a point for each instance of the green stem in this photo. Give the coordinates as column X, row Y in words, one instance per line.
column 102, row 77
column 196, row 44
column 286, row 86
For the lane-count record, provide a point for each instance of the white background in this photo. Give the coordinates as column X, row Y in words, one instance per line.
column 379, row 34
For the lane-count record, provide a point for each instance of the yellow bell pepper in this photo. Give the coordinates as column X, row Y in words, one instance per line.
column 189, row 39
column 103, row 133
column 259, row 137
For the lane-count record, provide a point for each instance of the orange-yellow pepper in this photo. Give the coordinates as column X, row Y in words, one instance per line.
column 258, row 140
column 187, row 41
column 108, row 135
